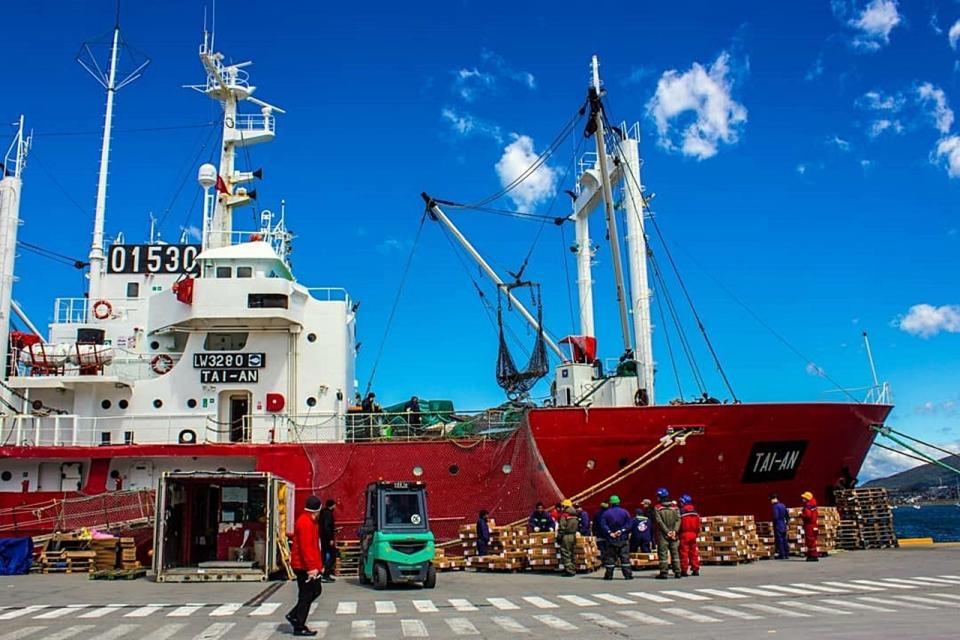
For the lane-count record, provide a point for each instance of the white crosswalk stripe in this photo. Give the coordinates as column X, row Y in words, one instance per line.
column 509, row 624
column 101, row 611
column 857, row 605
column 413, row 629
column 60, row 612
column 461, row 627
column 609, row 597
column 363, row 629
column 503, row 604
column 933, row 601
column 755, row 592
column 645, row 618
column 915, row 583
column 579, row 601
column 385, row 606
column 652, row 597
column 313, row 606
column 791, row 590
column 952, row 596
column 685, row 595
column 184, row 611
column 266, row 609
column 462, row 604
column 23, row 632
column 934, row 581
column 16, row 613
column 895, row 603
column 722, row 593
column 779, row 611
column 733, row 613
column 121, row 630
column 226, row 609
column 602, row 620
column 215, row 631
column 69, row 632
column 425, row 606
column 875, row 583
column 554, row 622
column 819, row 587
column 263, row 631
column 856, row 587
column 541, row 603
column 816, row 608
column 954, row 577
column 165, row 632
column 944, row 579
column 689, row 615
column 143, row 612
column 346, row 608
column 321, row 628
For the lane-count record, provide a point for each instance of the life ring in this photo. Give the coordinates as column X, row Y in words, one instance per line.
column 161, row 364
column 102, row 309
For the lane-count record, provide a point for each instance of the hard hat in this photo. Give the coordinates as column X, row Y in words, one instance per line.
column 604, row 505
column 685, row 499
column 567, row 503
column 614, row 499
column 662, row 493
column 806, row 495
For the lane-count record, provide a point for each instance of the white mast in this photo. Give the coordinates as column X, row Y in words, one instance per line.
column 109, row 82
column 597, row 115
column 10, row 187
column 584, row 272
column 637, row 258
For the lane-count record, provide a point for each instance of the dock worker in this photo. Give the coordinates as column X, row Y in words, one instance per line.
column 584, row 528
column 540, row 520
column 568, row 524
column 598, row 529
column 781, row 516
column 809, row 517
column 689, row 532
column 667, row 520
column 307, row 564
column 328, row 535
column 483, row 532
column 616, row 524
column 412, row 409
column 642, row 533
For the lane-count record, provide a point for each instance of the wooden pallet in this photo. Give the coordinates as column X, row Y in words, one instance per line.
column 118, row 574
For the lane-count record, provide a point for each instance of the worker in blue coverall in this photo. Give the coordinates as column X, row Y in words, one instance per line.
column 781, row 516
column 483, row 533
column 598, row 528
column 540, row 520
column 616, row 524
column 641, row 535
column 584, row 528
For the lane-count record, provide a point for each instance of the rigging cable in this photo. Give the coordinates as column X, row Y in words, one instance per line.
column 666, row 335
column 52, row 255
column 53, row 134
column 902, row 453
column 186, row 175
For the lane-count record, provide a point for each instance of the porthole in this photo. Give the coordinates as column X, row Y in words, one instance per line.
column 123, row 404
column 591, row 463
column 311, row 401
column 154, row 345
column 418, row 471
column 37, row 405
column 311, row 337
column 157, row 403
column 6, row 476
column 106, row 404
column 680, row 460
column 453, row 469
column 720, row 458
column 506, row 468
column 192, row 403
column 622, row 462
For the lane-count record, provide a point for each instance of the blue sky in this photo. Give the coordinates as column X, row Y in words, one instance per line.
column 804, row 158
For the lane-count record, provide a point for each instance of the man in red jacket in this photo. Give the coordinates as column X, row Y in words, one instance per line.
column 307, row 565
column 809, row 517
column 689, row 531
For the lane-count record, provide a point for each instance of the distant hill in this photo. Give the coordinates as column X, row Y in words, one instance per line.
column 920, row 478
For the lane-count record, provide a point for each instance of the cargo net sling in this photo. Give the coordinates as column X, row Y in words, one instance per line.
column 513, row 381
column 110, row 510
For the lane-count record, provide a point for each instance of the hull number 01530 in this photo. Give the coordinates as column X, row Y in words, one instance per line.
column 153, row 258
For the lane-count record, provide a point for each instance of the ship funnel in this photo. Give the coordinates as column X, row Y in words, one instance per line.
column 207, row 176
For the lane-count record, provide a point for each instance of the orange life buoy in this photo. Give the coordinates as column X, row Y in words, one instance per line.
column 161, row 364
column 102, row 309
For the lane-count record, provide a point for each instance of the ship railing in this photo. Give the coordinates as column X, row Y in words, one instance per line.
column 329, row 294
column 68, row 430
column 77, row 310
column 254, row 122
column 126, row 365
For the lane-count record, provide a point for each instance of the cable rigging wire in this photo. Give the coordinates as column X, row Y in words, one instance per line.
column 52, row 255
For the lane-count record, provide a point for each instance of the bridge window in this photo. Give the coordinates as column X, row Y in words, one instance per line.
column 267, row 301
column 224, row 272
column 133, row 289
column 244, row 272
column 233, row 341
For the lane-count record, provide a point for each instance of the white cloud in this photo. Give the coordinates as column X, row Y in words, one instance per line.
column 468, row 83
column 948, row 154
column 816, row 70
column 925, row 320
column 815, row 370
column 467, row 125
column 839, row 143
column 884, row 124
column 192, row 232
column 637, row 75
column 933, row 100
column 881, row 463
column 954, row 35
column 705, row 95
column 497, row 62
column 518, row 157
column 887, row 109
column 874, row 24
column 801, row 168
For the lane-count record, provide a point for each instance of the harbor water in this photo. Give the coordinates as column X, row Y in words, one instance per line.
column 940, row 522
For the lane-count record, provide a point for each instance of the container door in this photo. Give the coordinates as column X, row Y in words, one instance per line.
column 159, row 528
column 71, row 476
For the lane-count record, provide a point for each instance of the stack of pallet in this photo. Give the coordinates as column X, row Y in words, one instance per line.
column 767, row 540
column 348, row 558
column 65, row 560
column 443, row 562
column 128, row 554
column 468, row 538
column 848, row 535
column 727, row 539
column 106, row 553
column 870, row 510
column 642, row 561
column 543, row 554
column 506, row 551
column 586, row 555
column 828, row 521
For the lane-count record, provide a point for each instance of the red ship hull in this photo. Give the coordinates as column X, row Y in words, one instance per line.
column 744, row 453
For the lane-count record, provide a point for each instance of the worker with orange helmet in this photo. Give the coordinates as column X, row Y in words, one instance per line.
column 809, row 517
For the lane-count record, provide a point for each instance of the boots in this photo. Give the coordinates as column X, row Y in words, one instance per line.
column 696, row 572
column 662, row 576
column 608, row 574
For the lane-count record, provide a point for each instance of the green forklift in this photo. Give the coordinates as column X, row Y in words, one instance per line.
column 396, row 544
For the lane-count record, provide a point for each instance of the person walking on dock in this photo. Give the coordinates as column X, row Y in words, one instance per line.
column 569, row 523
column 307, row 564
column 540, row 520
column 328, row 535
column 781, row 517
column 668, row 530
column 483, row 533
column 616, row 524
column 689, row 532
column 809, row 517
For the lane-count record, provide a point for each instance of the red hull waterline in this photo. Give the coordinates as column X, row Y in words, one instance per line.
column 741, row 454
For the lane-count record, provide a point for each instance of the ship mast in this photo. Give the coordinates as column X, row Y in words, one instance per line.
column 11, row 184
column 112, row 84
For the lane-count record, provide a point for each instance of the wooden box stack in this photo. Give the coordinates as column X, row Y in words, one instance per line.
column 106, row 553
column 506, row 551
column 828, row 522
column 642, row 561
column 727, row 539
column 870, row 510
column 348, row 560
column 128, row 554
column 586, row 554
column 443, row 562
column 768, row 543
column 543, row 554
column 67, row 561
column 468, row 538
